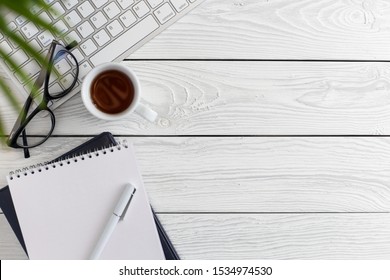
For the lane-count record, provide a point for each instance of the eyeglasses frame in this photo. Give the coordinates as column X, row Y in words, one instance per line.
column 43, row 79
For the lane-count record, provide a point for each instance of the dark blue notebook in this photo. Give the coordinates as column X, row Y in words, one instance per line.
column 99, row 142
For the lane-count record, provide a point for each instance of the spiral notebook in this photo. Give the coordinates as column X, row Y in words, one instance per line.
column 63, row 207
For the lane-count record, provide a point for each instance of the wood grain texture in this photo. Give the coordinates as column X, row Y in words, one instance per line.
column 246, row 98
column 10, row 248
column 256, row 236
column 256, row 197
column 344, row 236
column 239, row 174
column 281, row 29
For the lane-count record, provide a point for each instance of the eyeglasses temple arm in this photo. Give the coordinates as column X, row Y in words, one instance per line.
column 25, row 143
column 37, row 85
column 42, row 74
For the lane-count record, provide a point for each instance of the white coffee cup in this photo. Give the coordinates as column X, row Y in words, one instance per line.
column 135, row 106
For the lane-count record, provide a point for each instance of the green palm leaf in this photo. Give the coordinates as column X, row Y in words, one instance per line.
column 22, row 8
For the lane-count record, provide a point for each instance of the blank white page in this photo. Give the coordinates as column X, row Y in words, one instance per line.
column 63, row 210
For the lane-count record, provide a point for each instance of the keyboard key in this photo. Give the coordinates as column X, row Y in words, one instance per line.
column 45, row 38
column 13, row 43
column 85, row 29
column 62, row 66
column 112, row 10
column 84, row 69
column 72, row 19
column 45, row 17
column 85, row 9
column 99, row 3
column 35, row 9
column 29, row 30
column 44, row 53
column 49, row 1
column 77, row 54
column 99, row 20
column 67, row 81
column 71, row 59
column 19, row 57
column 88, row 47
column 71, row 37
column 128, row 18
column 154, row 3
column 101, row 37
column 27, row 88
column 5, row 47
column 115, row 28
column 61, row 42
column 141, row 9
column 11, row 26
column 56, row 10
column 179, row 5
column 69, row 4
column 164, row 13
column 35, row 45
column 125, row 3
column 55, row 88
column 21, row 20
column 31, row 69
column 61, row 27
column 125, row 41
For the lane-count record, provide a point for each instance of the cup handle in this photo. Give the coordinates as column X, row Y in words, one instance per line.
column 146, row 112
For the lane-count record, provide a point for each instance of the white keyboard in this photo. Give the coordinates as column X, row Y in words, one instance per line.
column 106, row 30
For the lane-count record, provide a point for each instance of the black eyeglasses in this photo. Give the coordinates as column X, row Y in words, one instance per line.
column 58, row 79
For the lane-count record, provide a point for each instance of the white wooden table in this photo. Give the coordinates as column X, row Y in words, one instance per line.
column 272, row 141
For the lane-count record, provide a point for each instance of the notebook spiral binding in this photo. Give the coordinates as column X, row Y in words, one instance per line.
column 40, row 167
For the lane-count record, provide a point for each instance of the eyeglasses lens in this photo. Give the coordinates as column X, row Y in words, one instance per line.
column 63, row 75
column 37, row 130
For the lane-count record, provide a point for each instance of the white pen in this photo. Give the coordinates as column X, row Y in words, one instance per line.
column 117, row 215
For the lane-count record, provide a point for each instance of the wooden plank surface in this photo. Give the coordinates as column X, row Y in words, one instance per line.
column 330, row 236
column 250, row 174
column 241, row 72
column 262, row 236
column 246, row 98
column 283, row 29
column 9, row 245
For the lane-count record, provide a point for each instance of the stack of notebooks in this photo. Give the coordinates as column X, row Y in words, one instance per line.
column 59, row 210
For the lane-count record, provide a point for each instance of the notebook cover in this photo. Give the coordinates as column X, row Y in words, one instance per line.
column 103, row 140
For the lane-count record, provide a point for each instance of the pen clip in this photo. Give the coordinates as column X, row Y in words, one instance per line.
column 133, row 190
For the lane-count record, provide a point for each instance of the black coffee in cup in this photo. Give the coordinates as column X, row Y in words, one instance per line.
column 112, row 92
